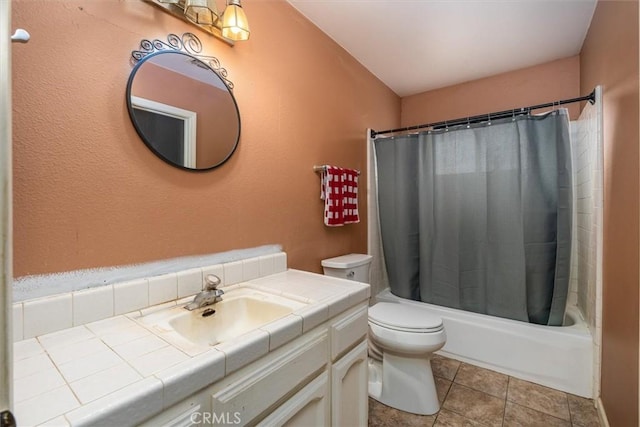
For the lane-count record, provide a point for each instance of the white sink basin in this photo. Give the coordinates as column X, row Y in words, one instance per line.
column 241, row 310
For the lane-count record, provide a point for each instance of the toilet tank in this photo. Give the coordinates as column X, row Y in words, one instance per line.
column 352, row 267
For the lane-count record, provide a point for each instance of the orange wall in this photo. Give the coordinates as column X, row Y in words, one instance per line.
column 609, row 57
column 539, row 84
column 88, row 192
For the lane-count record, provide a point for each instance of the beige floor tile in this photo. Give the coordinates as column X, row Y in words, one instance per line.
column 475, row 405
column 540, row 398
column 442, row 387
column 583, row 412
column 444, row 367
column 473, row 397
column 381, row 415
column 520, row 416
column 451, row 419
column 484, row 380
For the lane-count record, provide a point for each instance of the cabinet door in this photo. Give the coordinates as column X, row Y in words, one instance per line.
column 191, row 412
column 349, row 395
column 254, row 391
column 309, row 407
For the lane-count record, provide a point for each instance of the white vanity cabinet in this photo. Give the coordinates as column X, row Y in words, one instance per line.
column 318, row 379
column 188, row 413
column 349, row 382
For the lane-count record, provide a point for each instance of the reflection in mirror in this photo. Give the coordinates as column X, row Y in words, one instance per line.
column 183, row 110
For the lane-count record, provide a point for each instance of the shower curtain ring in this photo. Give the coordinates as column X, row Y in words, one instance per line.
column 446, row 126
column 513, row 112
column 468, row 122
column 489, row 122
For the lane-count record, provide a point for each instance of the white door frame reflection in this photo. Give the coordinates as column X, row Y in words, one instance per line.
column 188, row 117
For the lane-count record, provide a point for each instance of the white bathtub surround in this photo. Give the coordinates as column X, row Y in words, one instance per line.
column 53, row 313
column 586, row 257
column 379, row 280
column 121, row 370
column 556, row 357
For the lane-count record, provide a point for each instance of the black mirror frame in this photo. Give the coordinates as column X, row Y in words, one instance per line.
column 188, row 45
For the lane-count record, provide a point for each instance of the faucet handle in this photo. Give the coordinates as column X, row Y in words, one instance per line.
column 211, row 282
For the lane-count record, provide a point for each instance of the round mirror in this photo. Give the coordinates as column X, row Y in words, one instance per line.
column 183, row 110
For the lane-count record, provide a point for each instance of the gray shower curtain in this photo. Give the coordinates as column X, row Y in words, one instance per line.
column 479, row 217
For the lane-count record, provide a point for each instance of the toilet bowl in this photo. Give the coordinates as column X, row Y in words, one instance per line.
column 401, row 341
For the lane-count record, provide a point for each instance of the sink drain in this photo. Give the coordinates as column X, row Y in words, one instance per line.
column 208, row 312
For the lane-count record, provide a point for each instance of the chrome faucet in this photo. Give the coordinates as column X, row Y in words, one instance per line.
column 210, row 295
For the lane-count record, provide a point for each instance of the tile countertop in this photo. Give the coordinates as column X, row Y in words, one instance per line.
column 120, row 369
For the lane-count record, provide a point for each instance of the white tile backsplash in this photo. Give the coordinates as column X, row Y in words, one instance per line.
column 92, row 304
column 250, row 269
column 17, row 322
column 189, row 282
column 217, row 270
column 232, row 272
column 130, row 296
column 280, row 262
column 163, row 288
column 266, row 265
column 45, row 315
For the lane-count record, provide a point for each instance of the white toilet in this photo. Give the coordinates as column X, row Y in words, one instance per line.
column 402, row 339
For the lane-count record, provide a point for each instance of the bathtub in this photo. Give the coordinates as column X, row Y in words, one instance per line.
column 560, row 357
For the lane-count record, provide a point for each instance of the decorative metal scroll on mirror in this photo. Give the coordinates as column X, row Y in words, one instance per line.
column 181, row 103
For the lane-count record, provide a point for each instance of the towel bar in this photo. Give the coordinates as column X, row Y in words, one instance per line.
column 323, row 168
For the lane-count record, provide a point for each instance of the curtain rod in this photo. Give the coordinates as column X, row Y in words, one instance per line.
column 483, row 117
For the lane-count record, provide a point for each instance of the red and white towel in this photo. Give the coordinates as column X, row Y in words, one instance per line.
column 339, row 190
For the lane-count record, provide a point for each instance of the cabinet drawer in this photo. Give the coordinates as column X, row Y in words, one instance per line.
column 348, row 331
column 251, row 392
column 308, row 407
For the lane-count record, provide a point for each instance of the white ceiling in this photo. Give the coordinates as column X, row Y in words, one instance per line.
column 418, row 45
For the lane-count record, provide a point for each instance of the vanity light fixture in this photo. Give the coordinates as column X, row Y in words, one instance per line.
column 234, row 22
column 230, row 26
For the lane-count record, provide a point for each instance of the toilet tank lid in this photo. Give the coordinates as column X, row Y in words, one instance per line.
column 347, row 261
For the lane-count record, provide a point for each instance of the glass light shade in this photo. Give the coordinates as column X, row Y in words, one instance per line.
column 234, row 22
column 203, row 12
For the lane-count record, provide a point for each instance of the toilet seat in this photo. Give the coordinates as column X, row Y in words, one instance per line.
column 404, row 318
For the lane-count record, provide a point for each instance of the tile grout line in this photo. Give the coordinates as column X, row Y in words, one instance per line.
column 506, row 395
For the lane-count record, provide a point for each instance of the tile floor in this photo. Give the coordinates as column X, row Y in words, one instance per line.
column 471, row 396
